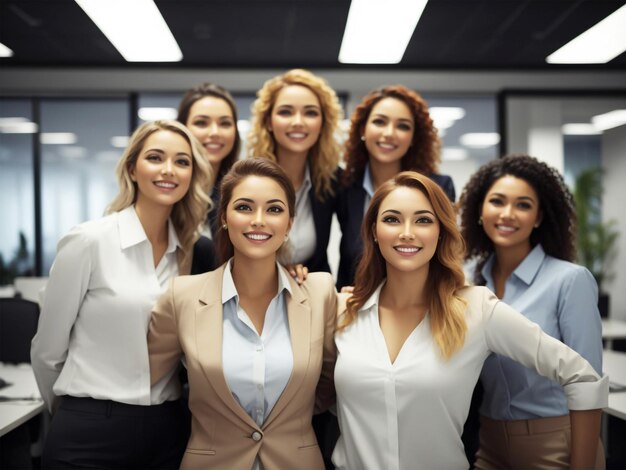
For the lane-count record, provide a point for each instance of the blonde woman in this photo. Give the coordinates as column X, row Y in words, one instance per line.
column 413, row 338
column 295, row 118
column 90, row 354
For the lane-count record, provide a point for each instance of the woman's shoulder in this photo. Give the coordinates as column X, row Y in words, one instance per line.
column 564, row 272
column 91, row 231
column 317, row 282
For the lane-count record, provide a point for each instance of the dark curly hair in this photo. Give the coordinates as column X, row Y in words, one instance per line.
column 557, row 232
column 423, row 154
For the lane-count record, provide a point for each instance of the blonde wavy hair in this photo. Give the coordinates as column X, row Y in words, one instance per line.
column 445, row 274
column 324, row 155
column 190, row 212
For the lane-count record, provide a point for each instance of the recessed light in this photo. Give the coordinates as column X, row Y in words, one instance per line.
column 5, row 51
column 610, row 120
column 154, row 114
column 58, row 138
column 582, row 128
column 480, row 140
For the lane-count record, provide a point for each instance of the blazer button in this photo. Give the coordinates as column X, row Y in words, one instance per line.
column 256, row 436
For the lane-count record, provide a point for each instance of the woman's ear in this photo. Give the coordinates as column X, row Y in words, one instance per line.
column 374, row 233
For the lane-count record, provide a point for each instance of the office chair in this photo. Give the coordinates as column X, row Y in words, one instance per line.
column 18, row 325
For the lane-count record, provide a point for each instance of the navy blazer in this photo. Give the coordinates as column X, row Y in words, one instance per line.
column 322, row 219
column 350, row 209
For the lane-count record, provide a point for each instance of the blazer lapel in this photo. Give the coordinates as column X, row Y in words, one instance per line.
column 209, row 339
column 299, row 316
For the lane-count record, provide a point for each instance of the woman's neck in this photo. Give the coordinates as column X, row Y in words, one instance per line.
column 294, row 164
column 255, row 278
column 507, row 259
column 404, row 290
column 382, row 172
column 153, row 219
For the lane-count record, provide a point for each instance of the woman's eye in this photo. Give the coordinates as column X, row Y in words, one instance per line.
column 183, row 162
column 404, row 127
column 424, row 220
column 226, row 124
column 242, row 207
column 312, row 113
column 495, row 202
column 284, row 112
column 524, row 205
column 153, row 157
column 200, row 123
column 275, row 209
column 390, row 219
column 378, row 122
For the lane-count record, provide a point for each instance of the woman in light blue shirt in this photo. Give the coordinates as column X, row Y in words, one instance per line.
column 518, row 221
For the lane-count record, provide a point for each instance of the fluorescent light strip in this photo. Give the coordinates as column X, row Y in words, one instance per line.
column 17, row 127
column 5, row 51
column 120, row 141
column 58, row 138
column 598, row 45
column 153, row 114
column 609, row 120
column 479, row 140
column 136, row 29
column 582, row 128
column 378, row 31
column 454, row 154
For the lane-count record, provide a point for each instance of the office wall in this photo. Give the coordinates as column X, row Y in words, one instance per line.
column 614, row 164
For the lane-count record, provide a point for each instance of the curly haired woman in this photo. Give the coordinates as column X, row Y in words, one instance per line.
column 519, row 223
column 391, row 131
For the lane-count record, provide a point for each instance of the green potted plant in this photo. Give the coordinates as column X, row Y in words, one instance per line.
column 596, row 240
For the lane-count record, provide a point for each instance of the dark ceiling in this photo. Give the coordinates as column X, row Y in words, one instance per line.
column 461, row 34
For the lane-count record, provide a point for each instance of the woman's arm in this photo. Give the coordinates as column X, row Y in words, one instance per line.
column 65, row 290
column 164, row 349
column 585, row 433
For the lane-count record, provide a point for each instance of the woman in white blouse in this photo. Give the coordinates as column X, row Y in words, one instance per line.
column 90, row 354
column 413, row 338
column 256, row 344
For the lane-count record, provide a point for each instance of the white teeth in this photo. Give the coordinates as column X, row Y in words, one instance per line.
column 403, row 249
column 257, row 236
column 386, row 146
column 297, row 135
column 505, row 228
column 213, row 146
column 165, row 184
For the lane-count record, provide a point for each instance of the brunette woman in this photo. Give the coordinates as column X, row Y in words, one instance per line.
column 519, row 223
column 257, row 345
column 391, row 131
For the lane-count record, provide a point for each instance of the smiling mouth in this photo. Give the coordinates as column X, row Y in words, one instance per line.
column 259, row 237
column 407, row 249
column 297, row 135
column 165, row 184
column 386, row 146
column 506, row 228
column 213, row 146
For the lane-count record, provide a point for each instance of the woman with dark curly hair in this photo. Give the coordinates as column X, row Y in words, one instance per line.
column 519, row 223
column 210, row 113
column 391, row 131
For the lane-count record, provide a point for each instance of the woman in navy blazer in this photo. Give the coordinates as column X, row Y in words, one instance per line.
column 294, row 121
column 391, row 131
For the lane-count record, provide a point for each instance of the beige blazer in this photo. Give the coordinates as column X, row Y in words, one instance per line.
column 187, row 321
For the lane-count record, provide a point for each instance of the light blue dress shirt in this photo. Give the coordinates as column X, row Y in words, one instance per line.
column 562, row 298
column 256, row 368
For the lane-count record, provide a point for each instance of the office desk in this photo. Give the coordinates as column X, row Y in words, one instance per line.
column 613, row 329
column 614, row 365
column 14, row 413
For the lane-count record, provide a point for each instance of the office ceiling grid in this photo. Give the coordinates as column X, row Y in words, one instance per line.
column 462, row 34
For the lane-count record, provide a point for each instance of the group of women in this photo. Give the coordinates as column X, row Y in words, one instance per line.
column 261, row 331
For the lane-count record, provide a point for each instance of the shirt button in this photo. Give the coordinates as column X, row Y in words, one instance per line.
column 256, row 436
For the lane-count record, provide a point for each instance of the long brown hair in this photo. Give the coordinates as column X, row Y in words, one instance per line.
column 239, row 171
column 423, row 154
column 445, row 278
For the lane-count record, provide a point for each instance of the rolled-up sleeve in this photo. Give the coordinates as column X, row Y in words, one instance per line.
column 509, row 333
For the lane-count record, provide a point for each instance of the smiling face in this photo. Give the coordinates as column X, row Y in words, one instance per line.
column 389, row 131
column 510, row 212
column 407, row 230
column 211, row 121
column 295, row 120
column 257, row 218
column 163, row 169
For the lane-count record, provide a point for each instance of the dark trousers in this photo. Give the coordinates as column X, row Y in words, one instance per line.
column 89, row 433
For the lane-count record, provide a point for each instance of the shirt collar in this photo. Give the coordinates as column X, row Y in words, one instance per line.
column 373, row 299
column 368, row 185
column 229, row 291
column 526, row 271
column 132, row 232
column 306, row 184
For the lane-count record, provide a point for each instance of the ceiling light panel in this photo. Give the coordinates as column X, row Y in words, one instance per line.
column 598, row 45
column 378, row 31
column 5, row 51
column 135, row 27
column 610, row 120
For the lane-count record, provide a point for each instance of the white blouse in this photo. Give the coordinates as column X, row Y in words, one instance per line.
column 91, row 339
column 409, row 415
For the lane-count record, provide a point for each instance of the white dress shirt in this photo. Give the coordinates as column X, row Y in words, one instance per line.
column 91, row 338
column 256, row 367
column 302, row 239
column 409, row 415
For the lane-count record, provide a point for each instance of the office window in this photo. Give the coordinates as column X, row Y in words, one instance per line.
column 81, row 142
column 16, row 180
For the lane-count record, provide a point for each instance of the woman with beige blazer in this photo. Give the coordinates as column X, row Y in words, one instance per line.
column 258, row 347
